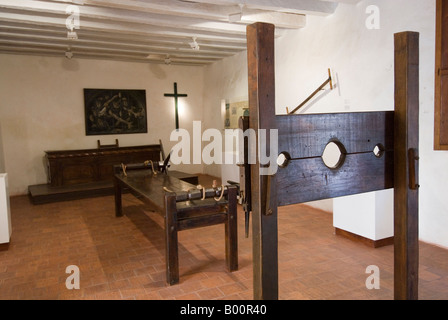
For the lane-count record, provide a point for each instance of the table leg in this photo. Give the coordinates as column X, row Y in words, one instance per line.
column 118, row 191
column 171, row 240
column 231, row 230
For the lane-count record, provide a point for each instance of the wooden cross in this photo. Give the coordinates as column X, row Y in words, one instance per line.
column 176, row 95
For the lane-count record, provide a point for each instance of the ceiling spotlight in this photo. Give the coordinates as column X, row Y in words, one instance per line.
column 194, row 45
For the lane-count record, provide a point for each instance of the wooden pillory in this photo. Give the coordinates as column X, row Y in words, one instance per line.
column 304, row 176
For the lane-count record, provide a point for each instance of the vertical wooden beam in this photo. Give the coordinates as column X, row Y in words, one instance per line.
column 171, row 239
column 245, row 189
column 260, row 55
column 231, row 230
column 406, row 255
column 118, row 203
column 441, row 77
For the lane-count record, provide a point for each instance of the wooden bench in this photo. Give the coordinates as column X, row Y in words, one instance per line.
column 183, row 207
column 86, row 173
column 45, row 193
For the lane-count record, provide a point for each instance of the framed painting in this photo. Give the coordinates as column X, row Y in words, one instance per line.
column 234, row 111
column 113, row 111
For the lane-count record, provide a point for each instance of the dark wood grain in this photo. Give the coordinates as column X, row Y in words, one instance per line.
column 245, row 178
column 406, row 252
column 71, row 167
column 310, row 179
column 441, row 77
column 118, row 191
column 149, row 187
column 306, row 135
column 261, row 73
column 171, row 239
column 171, row 197
column 231, row 231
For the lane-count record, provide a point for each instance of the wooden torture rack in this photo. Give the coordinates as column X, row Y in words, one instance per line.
column 303, row 176
column 182, row 205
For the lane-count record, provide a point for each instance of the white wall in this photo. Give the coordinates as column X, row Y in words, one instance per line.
column 224, row 80
column 42, row 108
column 362, row 63
column 2, row 157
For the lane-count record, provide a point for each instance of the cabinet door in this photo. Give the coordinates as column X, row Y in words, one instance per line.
column 441, row 77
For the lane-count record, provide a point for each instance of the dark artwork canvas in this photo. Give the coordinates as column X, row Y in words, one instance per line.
column 111, row 111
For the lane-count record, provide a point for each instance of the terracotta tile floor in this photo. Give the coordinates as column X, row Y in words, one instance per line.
column 123, row 258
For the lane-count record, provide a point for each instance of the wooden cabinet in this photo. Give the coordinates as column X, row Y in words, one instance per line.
column 72, row 167
column 77, row 174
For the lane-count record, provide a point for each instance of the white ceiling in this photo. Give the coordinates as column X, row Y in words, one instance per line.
column 157, row 31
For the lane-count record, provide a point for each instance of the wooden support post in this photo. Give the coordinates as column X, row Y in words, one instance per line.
column 245, row 189
column 231, row 230
column 405, row 158
column 171, row 240
column 260, row 53
column 118, row 192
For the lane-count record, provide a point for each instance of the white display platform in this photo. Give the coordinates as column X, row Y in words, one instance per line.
column 230, row 171
column 5, row 212
column 369, row 215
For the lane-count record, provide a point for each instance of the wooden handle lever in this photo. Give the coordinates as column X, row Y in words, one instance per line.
column 412, row 158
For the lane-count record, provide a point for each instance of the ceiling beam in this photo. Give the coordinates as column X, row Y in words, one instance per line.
column 83, row 44
column 316, row 7
column 112, row 15
column 109, row 42
column 114, row 57
column 345, row 1
column 17, row 28
column 204, row 11
column 200, row 30
column 146, row 30
column 279, row 19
